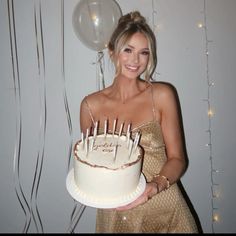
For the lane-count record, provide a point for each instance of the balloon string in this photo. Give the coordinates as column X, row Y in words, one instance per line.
column 17, row 92
column 100, row 70
column 42, row 118
column 75, row 217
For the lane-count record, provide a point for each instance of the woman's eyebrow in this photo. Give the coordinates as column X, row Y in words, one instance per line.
column 128, row 45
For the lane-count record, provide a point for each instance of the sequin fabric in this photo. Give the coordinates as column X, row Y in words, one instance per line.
column 166, row 212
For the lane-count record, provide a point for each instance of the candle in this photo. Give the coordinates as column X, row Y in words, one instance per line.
column 114, row 152
column 114, row 127
column 128, row 131
column 86, row 142
column 87, row 133
column 121, row 127
column 91, row 145
column 86, row 147
column 95, row 130
column 105, row 128
column 82, row 140
column 82, row 137
column 136, row 141
column 130, row 150
column 128, row 139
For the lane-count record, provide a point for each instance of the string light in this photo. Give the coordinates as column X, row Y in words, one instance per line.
column 155, row 27
column 210, row 112
column 215, row 193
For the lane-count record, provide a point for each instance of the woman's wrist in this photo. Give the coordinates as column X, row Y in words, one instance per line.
column 155, row 189
column 162, row 181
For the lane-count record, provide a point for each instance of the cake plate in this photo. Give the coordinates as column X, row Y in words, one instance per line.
column 74, row 191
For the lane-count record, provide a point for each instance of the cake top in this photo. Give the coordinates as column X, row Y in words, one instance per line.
column 109, row 151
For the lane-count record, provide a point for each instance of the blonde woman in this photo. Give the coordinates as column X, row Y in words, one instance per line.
column 152, row 108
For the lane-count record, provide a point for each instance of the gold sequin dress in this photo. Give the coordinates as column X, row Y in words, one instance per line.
column 166, row 212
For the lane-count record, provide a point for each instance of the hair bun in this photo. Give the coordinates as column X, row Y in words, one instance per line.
column 133, row 17
column 137, row 17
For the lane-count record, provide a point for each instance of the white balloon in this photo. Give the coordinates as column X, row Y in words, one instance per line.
column 94, row 22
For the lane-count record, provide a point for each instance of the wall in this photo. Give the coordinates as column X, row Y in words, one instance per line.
column 46, row 71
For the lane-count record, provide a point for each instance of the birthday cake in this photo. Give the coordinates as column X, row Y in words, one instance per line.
column 107, row 170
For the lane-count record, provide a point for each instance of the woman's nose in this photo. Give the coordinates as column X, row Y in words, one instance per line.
column 135, row 58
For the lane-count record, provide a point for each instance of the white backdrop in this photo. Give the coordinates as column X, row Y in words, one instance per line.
column 46, row 71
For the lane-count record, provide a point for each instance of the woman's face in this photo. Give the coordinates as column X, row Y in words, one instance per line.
column 133, row 58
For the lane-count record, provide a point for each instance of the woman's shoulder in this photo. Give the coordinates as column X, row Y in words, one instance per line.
column 164, row 94
column 161, row 88
column 94, row 98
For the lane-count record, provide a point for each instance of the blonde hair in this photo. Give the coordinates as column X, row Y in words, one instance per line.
column 128, row 25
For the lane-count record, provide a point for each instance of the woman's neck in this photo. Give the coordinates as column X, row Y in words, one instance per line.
column 124, row 89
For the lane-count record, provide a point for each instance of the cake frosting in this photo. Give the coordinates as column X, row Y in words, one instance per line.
column 107, row 168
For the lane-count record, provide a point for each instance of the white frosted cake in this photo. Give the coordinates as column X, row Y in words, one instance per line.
column 107, row 169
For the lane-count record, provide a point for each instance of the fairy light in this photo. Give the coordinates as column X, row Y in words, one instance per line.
column 210, row 113
column 216, row 217
column 200, row 25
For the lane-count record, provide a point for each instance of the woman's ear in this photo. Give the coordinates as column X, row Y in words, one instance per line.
column 111, row 54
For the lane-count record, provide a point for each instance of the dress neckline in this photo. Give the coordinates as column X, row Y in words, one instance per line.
column 145, row 124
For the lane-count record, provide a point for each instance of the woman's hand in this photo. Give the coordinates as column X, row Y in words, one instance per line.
column 150, row 190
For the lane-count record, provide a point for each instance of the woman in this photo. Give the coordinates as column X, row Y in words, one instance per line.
column 152, row 109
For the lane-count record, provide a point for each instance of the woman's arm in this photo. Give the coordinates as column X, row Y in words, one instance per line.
column 169, row 113
column 172, row 133
column 168, row 105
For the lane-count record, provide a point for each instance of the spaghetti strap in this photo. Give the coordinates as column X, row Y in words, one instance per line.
column 89, row 110
column 153, row 104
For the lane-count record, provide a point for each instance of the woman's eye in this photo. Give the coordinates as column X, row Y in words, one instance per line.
column 128, row 50
column 145, row 52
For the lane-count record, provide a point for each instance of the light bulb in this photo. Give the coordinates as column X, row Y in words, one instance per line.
column 210, row 113
column 199, row 25
column 216, row 217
